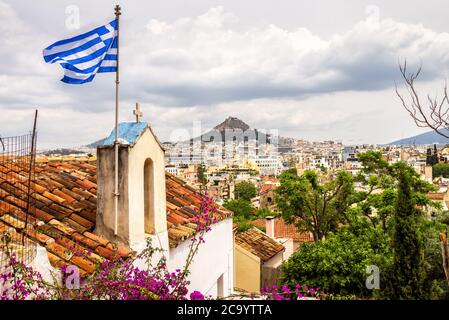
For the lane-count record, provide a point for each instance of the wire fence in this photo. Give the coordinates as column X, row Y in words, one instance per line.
column 17, row 201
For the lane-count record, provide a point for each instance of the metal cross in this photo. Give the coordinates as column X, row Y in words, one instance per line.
column 137, row 112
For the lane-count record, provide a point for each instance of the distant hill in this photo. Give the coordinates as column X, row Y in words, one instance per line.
column 426, row 138
column 63, row 152
column 232, row 123
column 226, row 130
column 231, row 127
column 95, row 144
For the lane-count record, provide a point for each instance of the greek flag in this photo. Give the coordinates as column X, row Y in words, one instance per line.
column 83, row 56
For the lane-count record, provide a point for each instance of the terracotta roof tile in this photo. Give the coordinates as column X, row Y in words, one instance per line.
column 94, row 237
column 42, row 215
column 12, row 221
column 64, row 202
column 83, row 193
column 105, row 252
column 60, row 209
column 38, row 236
column 46, row 201
column 60, row 251
column 64, row 196
column 88, row 215
column 285, row 230
column 267, row 187
column 81, row 221
column 124, row 251
column 55, row 260
column 83, row 263
column 436, row 195
column 86, row 184
column 53, row 184
column 85, row 241
column 74, row 225
column 53, row 197
column 259, row 244
column 61, row 227
column 71, row 194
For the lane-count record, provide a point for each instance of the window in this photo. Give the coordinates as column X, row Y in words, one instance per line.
column 148, row 180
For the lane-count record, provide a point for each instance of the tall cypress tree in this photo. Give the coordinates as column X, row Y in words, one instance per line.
column 429, row 156
column 435, row 154
column 408, row 266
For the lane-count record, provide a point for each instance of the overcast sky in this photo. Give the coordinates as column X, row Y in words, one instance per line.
column 311, row 69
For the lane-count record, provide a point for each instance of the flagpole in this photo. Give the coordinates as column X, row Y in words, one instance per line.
column 117, row 82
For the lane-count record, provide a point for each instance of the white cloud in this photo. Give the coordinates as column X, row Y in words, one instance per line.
column 204, row 60
column 212, row 65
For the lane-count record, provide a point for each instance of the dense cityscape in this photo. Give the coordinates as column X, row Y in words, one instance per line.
column 295, row 152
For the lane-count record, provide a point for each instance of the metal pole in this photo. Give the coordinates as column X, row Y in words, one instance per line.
column 117, row 82
column 30, row 174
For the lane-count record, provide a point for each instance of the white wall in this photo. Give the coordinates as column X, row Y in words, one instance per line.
column 275, row 261
column 214, row 258
column 289, row 246
column 133, row 221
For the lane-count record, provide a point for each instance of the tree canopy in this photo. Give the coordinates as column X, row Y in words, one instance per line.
column 240, row 207
column 372, row 218
column 316, row 202
column 338, row 263
column 245, row 190
column 440, row 170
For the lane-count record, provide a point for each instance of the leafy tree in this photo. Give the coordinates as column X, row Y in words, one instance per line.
column 265, row 212
column 377, row 174
column 245, row 190
column 240, row 207
column 202, row 174
column 431, row 158
column 338, row 263
column 372, row 162
column 292, row 171
column 386, row 228
column 435, row 283
column 242, row 223
column 441, row 170
column 443, row 218
column 408, row 269
column 403, row 192
column 316, row 203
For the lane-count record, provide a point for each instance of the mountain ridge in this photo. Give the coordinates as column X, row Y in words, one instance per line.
column 426, row 138
column 232, row 123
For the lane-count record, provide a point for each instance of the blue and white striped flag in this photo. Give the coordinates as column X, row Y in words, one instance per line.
column 83, row 56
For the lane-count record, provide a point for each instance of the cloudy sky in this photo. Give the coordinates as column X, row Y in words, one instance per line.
column 315, row 70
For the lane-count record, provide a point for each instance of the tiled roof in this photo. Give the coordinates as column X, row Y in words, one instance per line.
column 259, row 244
column 182, row 201
column 266, row 188
column 285, row 230
column 64, row 211
column 269, row 179
column 128, row 132
column 436, row 195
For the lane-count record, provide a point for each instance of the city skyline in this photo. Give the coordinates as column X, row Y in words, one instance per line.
column 284, row 70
